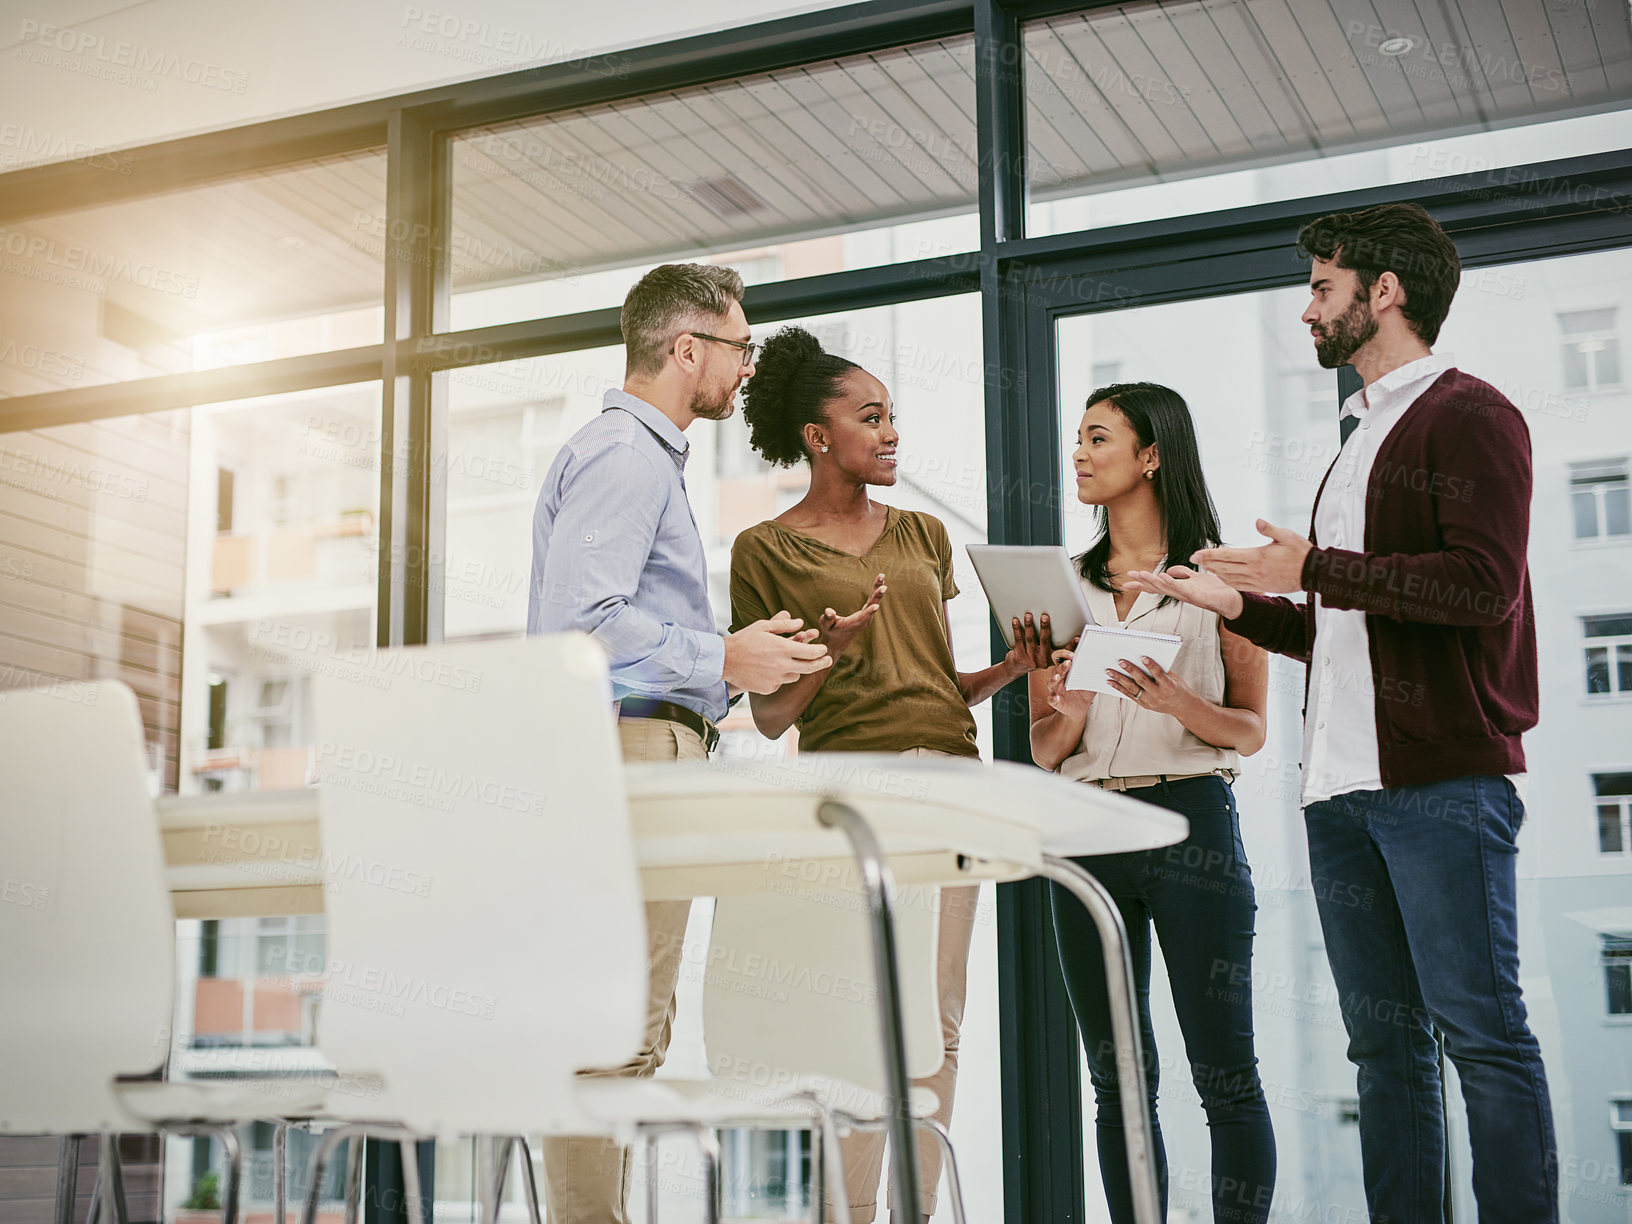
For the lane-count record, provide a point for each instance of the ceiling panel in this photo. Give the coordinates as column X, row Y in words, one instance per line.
column 1173, row 89
column 818, row 148
column 1117, row 96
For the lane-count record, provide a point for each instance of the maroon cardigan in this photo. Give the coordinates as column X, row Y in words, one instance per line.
column 1444, row 584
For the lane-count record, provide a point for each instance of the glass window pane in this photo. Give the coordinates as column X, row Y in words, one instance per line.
column 291, row 590
column 273, row 264
column 1612, row 784
column 1597, row 669
column 1623, row 667
column 1582, row 322
column 1623, row 1147
column 1609, row 362
column 1606, row 626
column 823, row 167
column 1610, row 834
column 1139, row 111
column 928, row 354
column 95, row 520
column 1598, row 471
column 1584, row 505
column 1618, row 980
column 1617, row 510
column 1577, row 371
column 1264, row 457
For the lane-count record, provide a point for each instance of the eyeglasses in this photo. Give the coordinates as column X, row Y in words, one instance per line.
column 748, row 349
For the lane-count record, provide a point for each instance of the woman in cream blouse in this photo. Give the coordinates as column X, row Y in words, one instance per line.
column 1173, row 738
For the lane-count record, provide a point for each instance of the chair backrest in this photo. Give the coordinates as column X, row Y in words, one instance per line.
column 486, row 931
column 87, row 931
column 789, row 991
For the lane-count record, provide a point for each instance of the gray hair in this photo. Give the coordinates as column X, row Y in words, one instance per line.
column 669, row 300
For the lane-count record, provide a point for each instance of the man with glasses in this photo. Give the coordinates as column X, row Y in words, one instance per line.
column 617, row 554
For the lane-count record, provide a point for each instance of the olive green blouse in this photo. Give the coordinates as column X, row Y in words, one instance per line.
column 896, row 686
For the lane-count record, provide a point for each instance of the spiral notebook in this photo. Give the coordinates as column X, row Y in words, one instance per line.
column 1101, row 648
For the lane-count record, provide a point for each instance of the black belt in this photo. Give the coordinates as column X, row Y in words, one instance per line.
column 644, row 707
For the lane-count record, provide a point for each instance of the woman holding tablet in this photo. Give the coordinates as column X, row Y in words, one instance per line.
column 893, row 685
column 1171, row 737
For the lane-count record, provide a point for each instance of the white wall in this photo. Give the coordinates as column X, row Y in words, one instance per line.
column 84, row 75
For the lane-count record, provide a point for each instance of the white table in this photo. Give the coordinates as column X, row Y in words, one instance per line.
column 735, row 826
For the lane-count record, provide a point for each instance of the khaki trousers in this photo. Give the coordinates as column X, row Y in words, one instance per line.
column 864, row 1150
column 587, row 1179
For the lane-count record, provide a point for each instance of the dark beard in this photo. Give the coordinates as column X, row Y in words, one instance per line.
column 1342, row 337
column 707, row 408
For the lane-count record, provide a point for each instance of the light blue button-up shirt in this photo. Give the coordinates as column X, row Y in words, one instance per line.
column 617, row 554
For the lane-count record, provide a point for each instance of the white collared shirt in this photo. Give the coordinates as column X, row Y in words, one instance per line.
column 1122, row 739
column 1340, row 727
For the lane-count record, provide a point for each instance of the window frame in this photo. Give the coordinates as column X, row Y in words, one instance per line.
column 1509, row 214
column 1615, row 952
column 1598, row 488
column 1569, row 339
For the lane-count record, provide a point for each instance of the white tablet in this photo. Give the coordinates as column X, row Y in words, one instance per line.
column 1035, row 578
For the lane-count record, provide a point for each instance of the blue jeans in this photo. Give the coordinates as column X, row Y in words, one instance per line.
column 1198, row 895
column 1415, row 886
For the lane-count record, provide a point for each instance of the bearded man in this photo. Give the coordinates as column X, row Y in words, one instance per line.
column 1420, row 640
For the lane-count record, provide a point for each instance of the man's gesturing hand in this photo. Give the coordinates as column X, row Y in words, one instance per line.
column 1275, row 568
column 761, row 657
column 1192, row 586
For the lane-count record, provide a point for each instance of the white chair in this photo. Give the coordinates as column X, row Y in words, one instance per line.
column 790, row 1008
column 504, row 945
column 89, row 945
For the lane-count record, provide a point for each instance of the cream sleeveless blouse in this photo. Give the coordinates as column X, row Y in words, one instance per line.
column 1121, row 740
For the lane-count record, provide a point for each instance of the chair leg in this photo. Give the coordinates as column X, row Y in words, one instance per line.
column 818, row 1174
column 499, row 1153
column 235, row 1171
column 880, row 889
column 95, row 1212
column 280, row 1171
column 354, row 1178
column 950, row 1159
column 708, row 1147
column 111, row 1175
column 839, row 1192
column 326, row 1147
column 413, row 1201
column 1130, row 1063
column 110, row 1179
column 529, row 1182
column 67, row 1179
column 652, row 1186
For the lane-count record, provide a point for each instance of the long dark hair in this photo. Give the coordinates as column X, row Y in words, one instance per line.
column 1159, row 415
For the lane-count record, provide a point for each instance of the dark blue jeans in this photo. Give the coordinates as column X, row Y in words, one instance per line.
column 1198, row 896
column 1415, row 886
